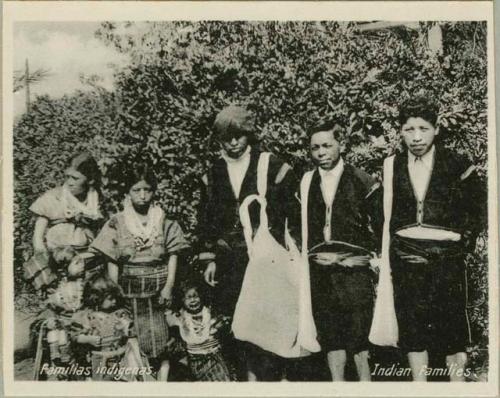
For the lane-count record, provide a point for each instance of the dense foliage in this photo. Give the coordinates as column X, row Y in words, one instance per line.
column 290, row 73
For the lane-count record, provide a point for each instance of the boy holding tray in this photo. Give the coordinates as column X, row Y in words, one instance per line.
column 338, row 209
column 434, row 221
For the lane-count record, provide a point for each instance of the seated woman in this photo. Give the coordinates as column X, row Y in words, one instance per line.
column 68, row 218
column 141, row 245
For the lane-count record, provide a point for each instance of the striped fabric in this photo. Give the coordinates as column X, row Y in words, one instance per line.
column 209, row 367
column 143, row 280
column 38, row 271
column 207, row 347
column 150, row 326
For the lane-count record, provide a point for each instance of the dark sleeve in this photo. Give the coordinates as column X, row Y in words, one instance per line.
column 474, row 205
column 373, row 203
column 375, row 209
column 295, row 216
column 205, row 230
column 282, row 187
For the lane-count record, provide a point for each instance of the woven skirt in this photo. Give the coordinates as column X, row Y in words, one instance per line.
column 142, row 284
column 209, row 367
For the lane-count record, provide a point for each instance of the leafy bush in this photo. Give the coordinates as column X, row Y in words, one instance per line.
column 290, row 73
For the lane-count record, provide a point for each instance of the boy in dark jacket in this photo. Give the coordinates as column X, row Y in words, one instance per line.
column 438, row 210
column 340, row 208
column 231, row 179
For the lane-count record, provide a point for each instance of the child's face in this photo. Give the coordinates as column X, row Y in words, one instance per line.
column 108, row 303
column 192, row 300
column 418, row 135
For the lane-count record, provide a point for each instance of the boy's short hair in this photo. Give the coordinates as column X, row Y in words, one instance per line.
column 234, row 121
column 330, row 125
column 419, row 106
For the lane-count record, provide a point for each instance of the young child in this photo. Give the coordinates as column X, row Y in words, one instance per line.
column 105, row 333
column 437, row 206
column 198, row 329
column 54, row 327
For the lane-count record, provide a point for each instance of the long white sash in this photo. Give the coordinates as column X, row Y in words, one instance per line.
column 384, row 328
column 307, row 336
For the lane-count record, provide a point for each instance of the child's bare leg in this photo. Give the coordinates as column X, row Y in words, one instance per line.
column 336, row 363
column 362, row 366
column 163, row 371
column 418, row 363
column 456, row 364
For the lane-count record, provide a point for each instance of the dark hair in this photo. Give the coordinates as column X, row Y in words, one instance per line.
column 99, row 288
column 234, row 121
column 140, row 171
column 187, row 285
column 419, row 106
column 331, row 125
column 84, row 163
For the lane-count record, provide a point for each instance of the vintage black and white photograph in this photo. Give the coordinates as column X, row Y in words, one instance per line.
column 237, row 200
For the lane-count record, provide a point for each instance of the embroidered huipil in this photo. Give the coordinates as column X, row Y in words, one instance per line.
column 143, row 273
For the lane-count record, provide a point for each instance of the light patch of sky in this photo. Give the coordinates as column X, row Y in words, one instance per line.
column 67, row 50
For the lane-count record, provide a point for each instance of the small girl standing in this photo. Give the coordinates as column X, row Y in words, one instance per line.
column 198, row 329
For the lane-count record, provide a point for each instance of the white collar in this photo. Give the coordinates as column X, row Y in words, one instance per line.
column 143, row 234
column 243, row 157
column 336, row 171
column 426, row 159
column 72, row 206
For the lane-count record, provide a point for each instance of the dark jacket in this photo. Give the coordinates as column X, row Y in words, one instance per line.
column 220, row 222
column 455, row 198
column 356, row 211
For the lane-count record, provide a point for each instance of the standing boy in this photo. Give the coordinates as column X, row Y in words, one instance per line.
column 231, row 179
column 338, row 210
column 435, row 219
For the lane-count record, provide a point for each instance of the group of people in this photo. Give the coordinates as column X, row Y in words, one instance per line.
column 113, row 301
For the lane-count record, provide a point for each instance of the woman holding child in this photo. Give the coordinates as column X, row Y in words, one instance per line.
column 67, row 219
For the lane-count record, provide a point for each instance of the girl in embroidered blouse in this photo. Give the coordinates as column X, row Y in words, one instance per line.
column 141, row 245
column 198, row 328
column 68, row 217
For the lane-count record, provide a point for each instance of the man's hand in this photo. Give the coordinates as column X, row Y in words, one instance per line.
column 412, row 259
column 327, row 258
column 375, row 263
column 210, row 274
column 355, row 261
